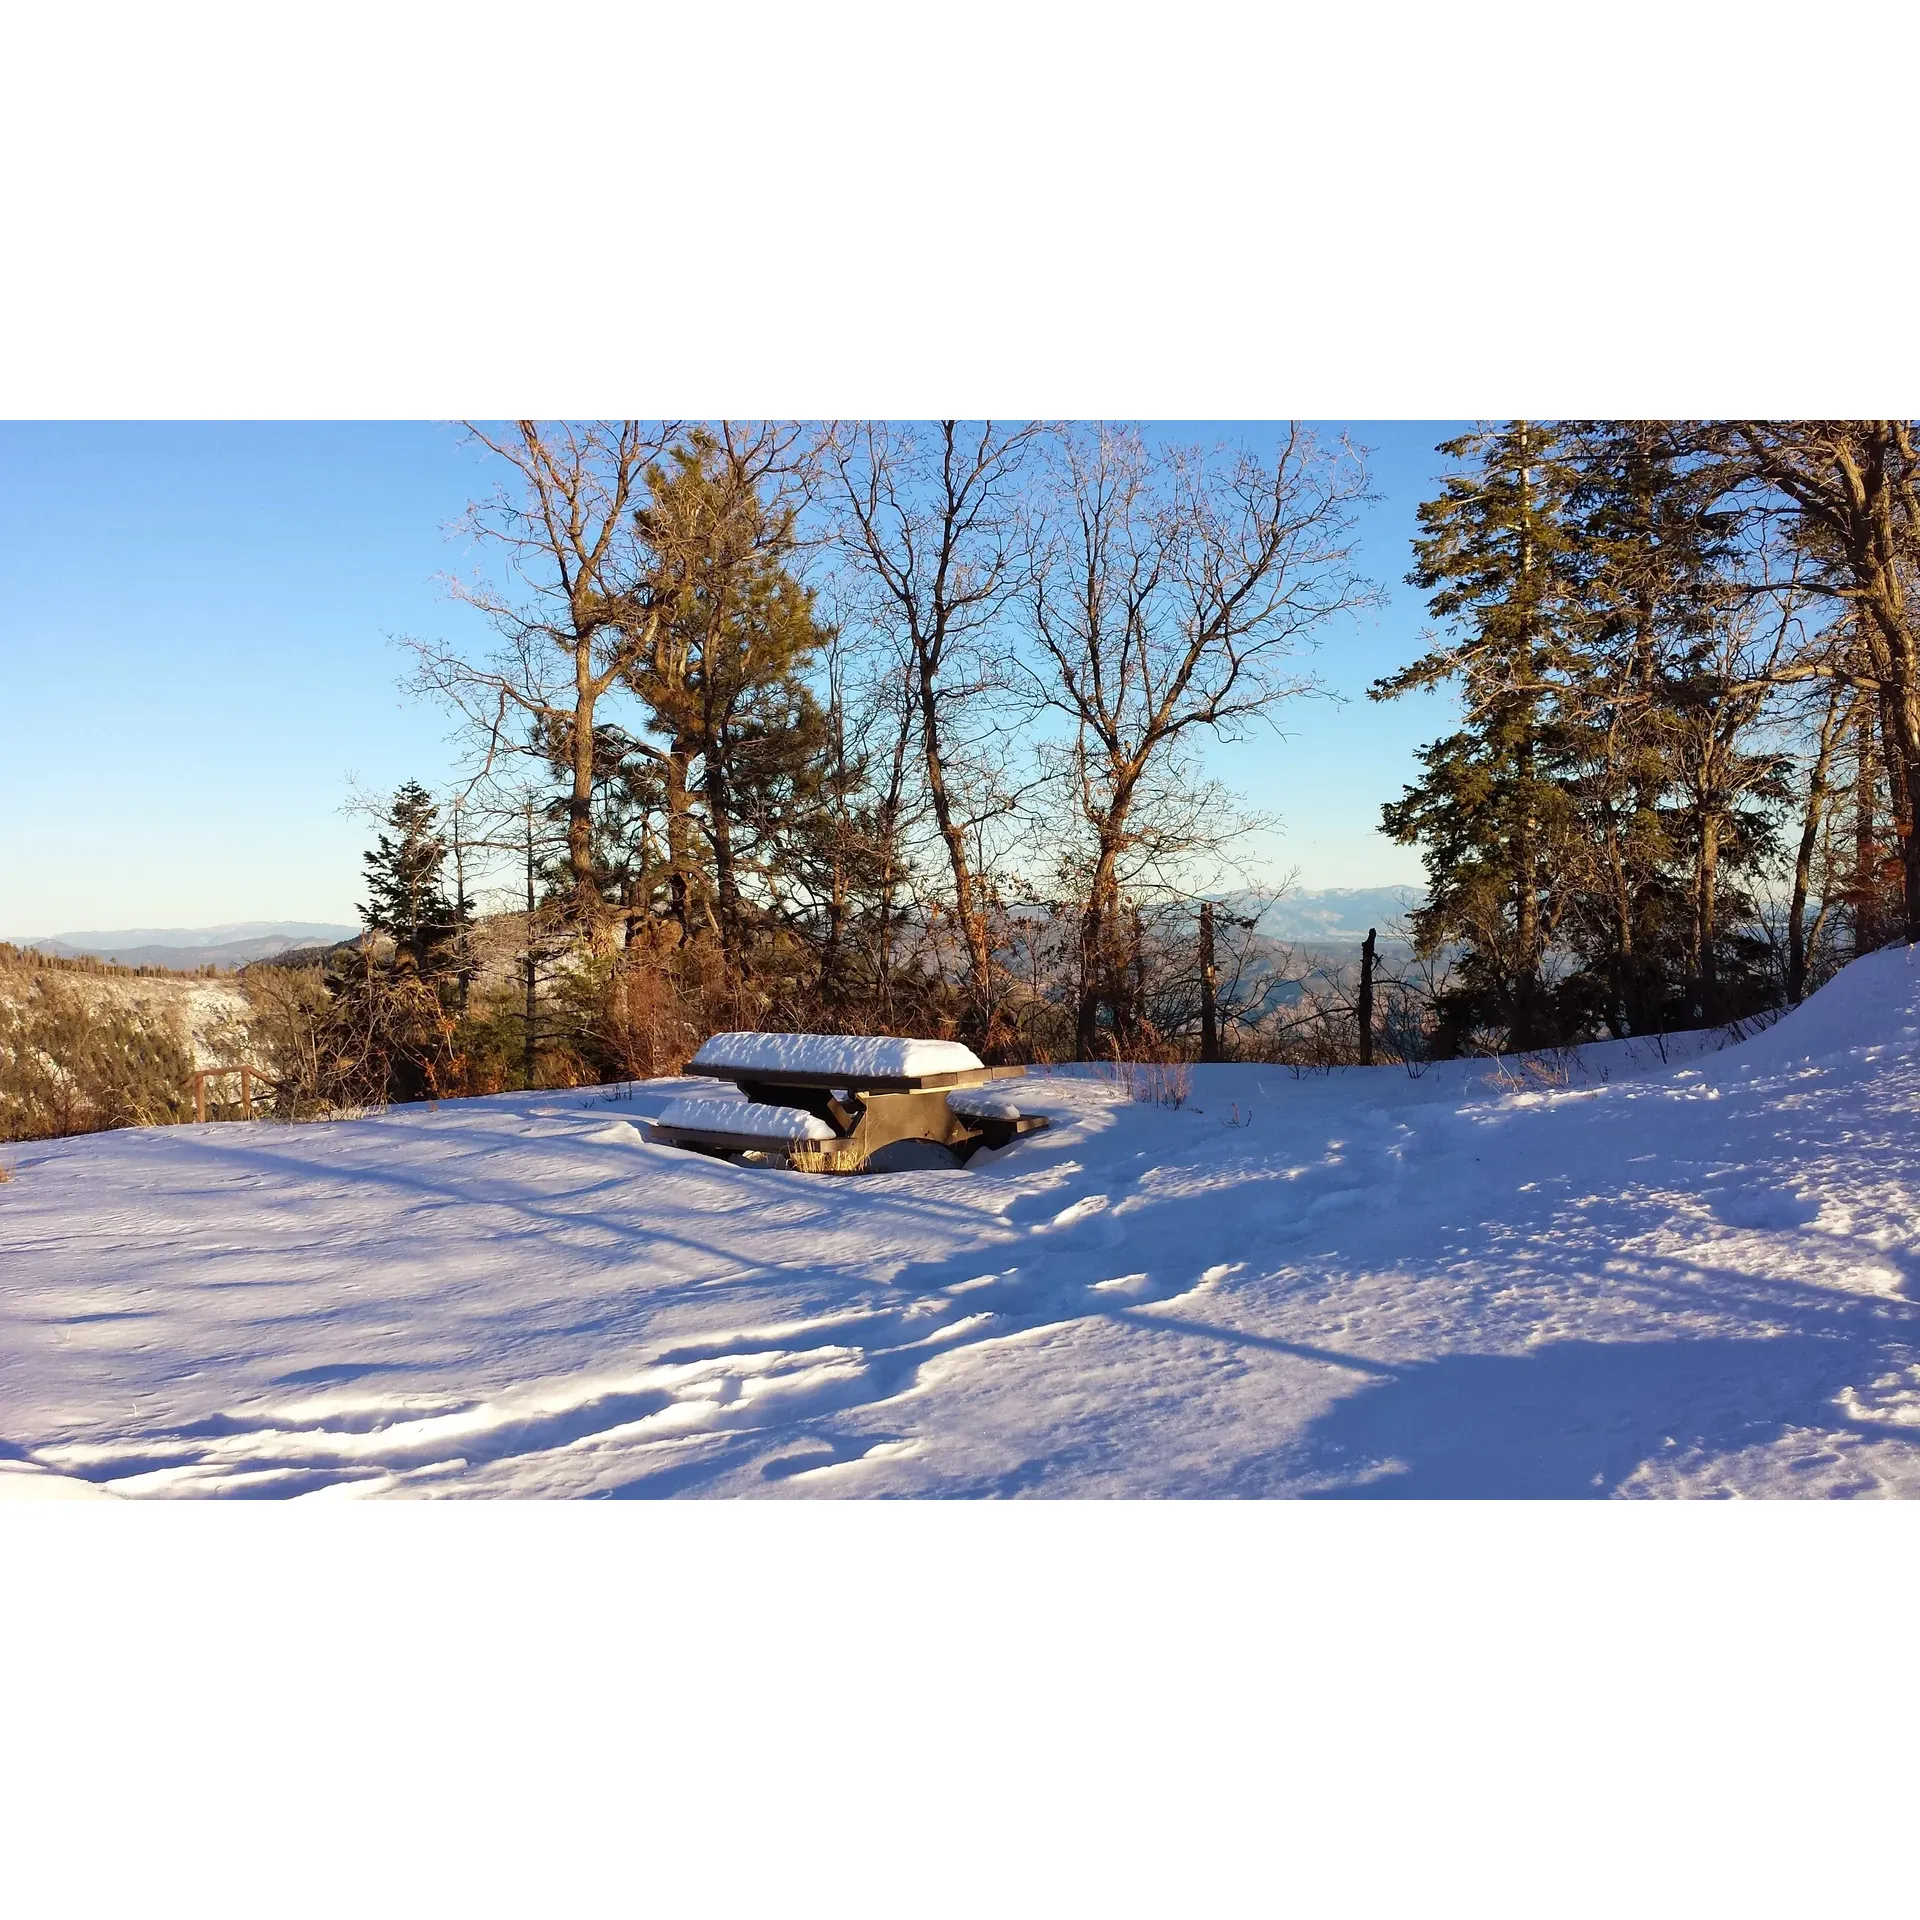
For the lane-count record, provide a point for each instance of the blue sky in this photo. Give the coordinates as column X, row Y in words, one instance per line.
column 196, row 627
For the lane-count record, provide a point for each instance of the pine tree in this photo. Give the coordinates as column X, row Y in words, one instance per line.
column 1729, row 792
column 1489, row 812
column 406, row 897
column 1651, row 552
column 725, row 679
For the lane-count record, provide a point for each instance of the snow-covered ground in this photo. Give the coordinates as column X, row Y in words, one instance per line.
column 1696, row 1275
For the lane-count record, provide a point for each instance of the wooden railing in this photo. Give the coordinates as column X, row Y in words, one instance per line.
column 248, row 1074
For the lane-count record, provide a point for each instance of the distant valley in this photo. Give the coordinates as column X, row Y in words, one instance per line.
column 1321, row 917
column 1337, row 916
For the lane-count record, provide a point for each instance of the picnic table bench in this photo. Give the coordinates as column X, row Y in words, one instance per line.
column 833, row 1103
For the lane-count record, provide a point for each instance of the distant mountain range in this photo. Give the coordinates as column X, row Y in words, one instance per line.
column 1338, row 916
column 185, row 948
column 1319, row 917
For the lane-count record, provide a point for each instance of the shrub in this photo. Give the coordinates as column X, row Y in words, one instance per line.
column 73, row 1063
column 364, row 1035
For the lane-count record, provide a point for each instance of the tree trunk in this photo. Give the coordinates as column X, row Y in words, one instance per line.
column 1903, row 782
column 1130, row 1013
column 1911, row 857
column 580, row 787
column 1706, row 906
column 829, row 988
column 1866, row 881
column 1526, row 897
column 679, row 841
column 532, row 975
column 1810, row 826
column 1620, row 961
column 463, row 976
column 1209, row 987
column 1903, row 790
column 973, row 926
column 1526, row 902
column 1887, row 486
column 1102, row 961
column 1095, row 937
column 725, row 877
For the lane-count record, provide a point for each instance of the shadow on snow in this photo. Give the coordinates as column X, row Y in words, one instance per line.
column 1573, row 1419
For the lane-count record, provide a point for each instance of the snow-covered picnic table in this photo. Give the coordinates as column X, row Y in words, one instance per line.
column 843, row 1060
column 843, row 1103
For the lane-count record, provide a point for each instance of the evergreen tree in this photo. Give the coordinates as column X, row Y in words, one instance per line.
column 725, row 679
column 1651, row 552
column 406, row 897
column 1729, row 792
column 1489, row 813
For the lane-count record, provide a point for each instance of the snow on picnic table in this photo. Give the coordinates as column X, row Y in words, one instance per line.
column 1623, row 1274
column 843, row 1058
column 983, row 1103
column 746, row 1118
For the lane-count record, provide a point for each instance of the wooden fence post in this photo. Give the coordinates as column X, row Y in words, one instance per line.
column 199, row 1078
column 1209, row 1008
column 1366, row 1000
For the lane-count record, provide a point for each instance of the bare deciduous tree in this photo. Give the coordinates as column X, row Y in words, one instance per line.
column 932, row 519
column 1853, row 486
column 1802, row 942
column 571, row 617
column 1175, row 593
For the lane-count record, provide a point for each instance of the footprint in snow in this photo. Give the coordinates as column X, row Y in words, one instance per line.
column 1073, row 1215
column 1341, row 1200
column 984, row 1280
column 1749, row 1208
column 1143, row 1289
column 819, row 1454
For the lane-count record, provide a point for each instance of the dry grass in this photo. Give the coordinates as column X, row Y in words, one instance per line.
column 74, row 1062
column 1167, row 1083
column 1163, row 1083
column 1544, row 1072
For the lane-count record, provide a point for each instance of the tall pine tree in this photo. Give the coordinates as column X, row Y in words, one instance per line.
column 725, row 678
column 1651, row 556
column 1488, row 812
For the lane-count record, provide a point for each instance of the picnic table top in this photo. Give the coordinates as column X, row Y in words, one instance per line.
column 856, row 1062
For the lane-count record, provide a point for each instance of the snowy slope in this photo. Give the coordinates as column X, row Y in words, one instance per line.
column 1697, row 1275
